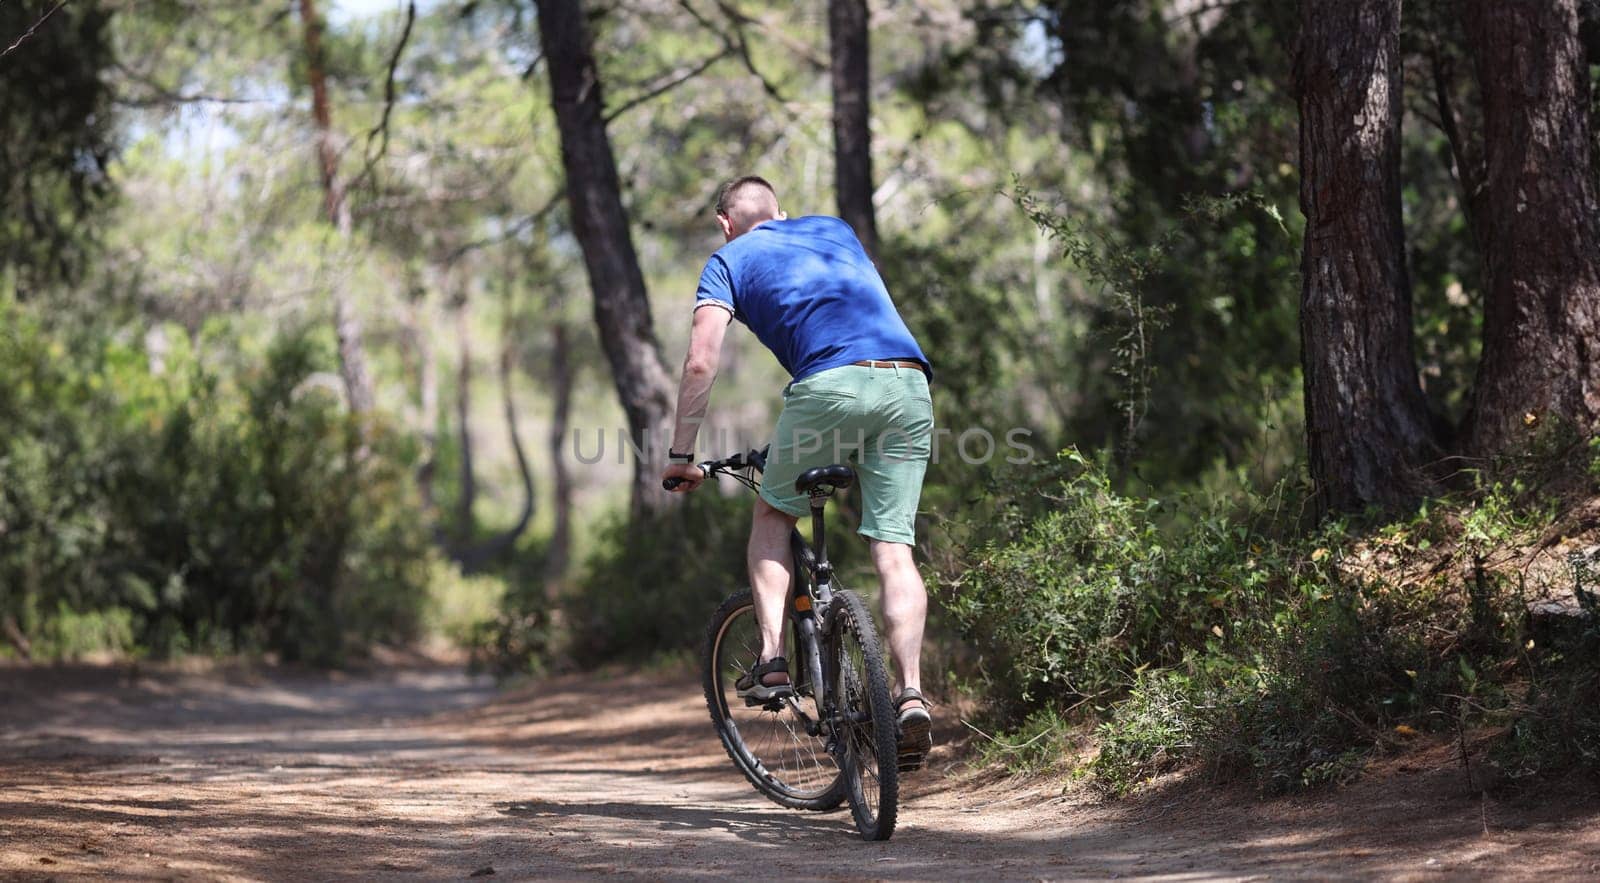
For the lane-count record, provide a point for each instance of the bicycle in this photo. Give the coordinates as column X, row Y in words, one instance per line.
column 774, row 742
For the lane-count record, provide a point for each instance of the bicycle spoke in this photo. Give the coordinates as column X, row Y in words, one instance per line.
column 776, row 742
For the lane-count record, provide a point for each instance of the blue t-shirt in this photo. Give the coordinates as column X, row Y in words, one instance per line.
column 810, row 293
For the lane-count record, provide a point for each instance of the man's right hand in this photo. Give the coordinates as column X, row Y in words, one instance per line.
column 689, row 473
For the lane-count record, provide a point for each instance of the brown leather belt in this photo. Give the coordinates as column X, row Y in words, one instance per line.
column 874, row 363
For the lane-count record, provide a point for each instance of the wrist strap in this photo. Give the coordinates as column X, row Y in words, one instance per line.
column 676, row 457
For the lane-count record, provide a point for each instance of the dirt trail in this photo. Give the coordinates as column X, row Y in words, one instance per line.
column 428, row 774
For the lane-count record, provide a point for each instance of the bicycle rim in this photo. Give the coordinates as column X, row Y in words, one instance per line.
column 768, row 743
column 866, row 718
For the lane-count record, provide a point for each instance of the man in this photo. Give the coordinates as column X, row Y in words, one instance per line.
column 860, row 391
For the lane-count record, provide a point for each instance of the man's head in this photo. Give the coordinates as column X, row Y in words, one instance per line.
column 745, row 202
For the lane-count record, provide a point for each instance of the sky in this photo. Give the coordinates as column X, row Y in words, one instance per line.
column 344, row 10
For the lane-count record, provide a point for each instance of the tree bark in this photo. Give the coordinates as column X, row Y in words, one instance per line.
column 852, row 117
column 428, row 409
column 417, row 358
column 1541, row 242
column 13, row 633
column 346, row 323
column 468, row 496
column 1367, row 424
column 594, row 197
column 559, row 558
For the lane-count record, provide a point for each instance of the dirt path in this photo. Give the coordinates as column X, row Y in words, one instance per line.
column 428, row 774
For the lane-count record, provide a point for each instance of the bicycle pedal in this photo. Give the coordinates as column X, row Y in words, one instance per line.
column 774, row 703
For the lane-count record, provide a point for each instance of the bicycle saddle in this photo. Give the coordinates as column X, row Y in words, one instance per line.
column 838, row 476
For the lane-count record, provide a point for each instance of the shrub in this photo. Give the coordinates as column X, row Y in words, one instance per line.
column 651, row 584
column 1288, row 659
column 197, row 508
column 1091, row 590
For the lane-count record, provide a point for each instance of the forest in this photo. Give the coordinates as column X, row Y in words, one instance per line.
column 334, row 325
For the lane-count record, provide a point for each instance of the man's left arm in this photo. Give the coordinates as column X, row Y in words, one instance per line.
column 694, row 390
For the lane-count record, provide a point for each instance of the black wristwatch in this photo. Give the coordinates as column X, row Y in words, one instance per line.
column 676, row 457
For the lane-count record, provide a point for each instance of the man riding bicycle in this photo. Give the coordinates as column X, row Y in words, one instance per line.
column 808, row 290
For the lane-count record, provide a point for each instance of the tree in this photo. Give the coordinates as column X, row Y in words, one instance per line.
column 346, row 324
column 852, row 117
column 594, row 198
column 1366, row 420
column 1540, row 234
column 57, row 133
column 559, row 555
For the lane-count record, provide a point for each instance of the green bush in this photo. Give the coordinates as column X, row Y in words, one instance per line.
column 1090, row 590
column 651, row 584
column 1287, row 659
column 208, row 508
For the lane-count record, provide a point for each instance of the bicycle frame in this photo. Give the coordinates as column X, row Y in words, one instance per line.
column 810, row 602
column 812, row 579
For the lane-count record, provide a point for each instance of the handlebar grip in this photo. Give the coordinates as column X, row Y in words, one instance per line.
column 671, row 484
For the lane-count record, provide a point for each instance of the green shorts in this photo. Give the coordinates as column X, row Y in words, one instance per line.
column 879, row 420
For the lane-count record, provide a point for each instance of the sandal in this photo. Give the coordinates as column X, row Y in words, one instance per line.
column 753, row 685
column 915, row 730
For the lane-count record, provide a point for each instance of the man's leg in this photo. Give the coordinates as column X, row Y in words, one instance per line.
column 905, row 608
column 770, row 579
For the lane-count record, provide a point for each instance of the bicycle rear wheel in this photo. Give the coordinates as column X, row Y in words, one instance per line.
column 770, row 743
column 866, row 717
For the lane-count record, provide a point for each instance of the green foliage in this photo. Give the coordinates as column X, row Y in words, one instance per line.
column 1123, row 273
column 1153, row 730
column 1042, row 744
column 1555, row 727
column 56, row 137
column 1183, row 341
column 651, row 583
column 201, row 510
column 517, row 635
column 1092, row 589
column 1289, row 659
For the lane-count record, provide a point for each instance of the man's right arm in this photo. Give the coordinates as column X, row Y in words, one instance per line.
column 694, row 389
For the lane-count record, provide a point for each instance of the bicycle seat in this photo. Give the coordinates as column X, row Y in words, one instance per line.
column 838, row 476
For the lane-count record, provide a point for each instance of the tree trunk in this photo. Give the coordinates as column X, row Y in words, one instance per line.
column 346, row 324
column 1541, row 242
column 473, row 558
column 852, row 131
column 428, row 408
column 1460, row 118
column 559, row 558
column 621, row 306
column 13, row 633
column 417, row 357
column 1367, row 424
column 468, row 474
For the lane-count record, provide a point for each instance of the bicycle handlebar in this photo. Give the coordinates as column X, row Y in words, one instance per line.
column 751, row 459
column 672, row 484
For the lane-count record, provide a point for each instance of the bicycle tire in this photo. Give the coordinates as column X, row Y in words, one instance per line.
column 796, row 783
column 867, row 745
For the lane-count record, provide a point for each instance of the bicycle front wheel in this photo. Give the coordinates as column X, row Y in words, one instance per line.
column 772, row 743
column 865, row 717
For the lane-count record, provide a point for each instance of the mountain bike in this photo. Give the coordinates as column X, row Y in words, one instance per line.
column 834, row 737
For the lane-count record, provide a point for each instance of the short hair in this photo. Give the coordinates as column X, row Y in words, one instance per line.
column 730, row 192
